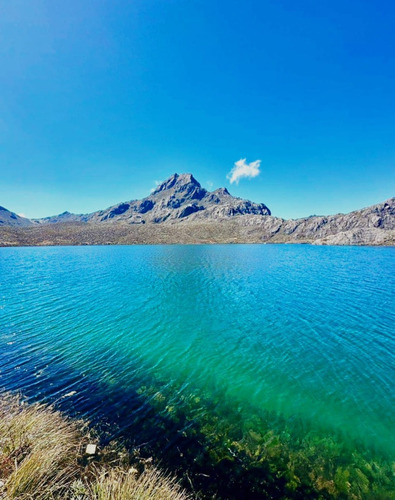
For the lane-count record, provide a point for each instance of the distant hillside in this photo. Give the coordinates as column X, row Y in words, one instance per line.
column 8, row 218
column 179, row 210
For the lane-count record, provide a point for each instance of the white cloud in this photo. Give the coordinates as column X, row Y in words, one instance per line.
column 157, row 183
column 243, row 169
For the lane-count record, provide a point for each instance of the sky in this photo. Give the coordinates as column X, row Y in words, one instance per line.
column 287, row 103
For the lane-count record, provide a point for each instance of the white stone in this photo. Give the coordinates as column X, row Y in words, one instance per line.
column 91, row 449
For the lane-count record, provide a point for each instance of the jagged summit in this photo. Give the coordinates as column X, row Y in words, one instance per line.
column 177, row 180
column 221, row 191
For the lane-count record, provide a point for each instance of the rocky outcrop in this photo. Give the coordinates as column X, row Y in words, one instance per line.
column 362, row 236
column 366, row 226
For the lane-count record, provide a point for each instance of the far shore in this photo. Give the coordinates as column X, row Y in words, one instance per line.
column 196, row 233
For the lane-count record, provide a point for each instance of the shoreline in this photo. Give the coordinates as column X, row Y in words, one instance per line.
column 220, row 232
column 44, row 454
column 271, row 243
column 210, row 459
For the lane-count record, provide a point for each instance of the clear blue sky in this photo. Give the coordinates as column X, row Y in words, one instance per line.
column 100, row 99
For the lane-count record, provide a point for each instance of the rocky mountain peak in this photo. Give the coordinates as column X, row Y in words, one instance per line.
column 180, row 197
column 221, row 191
column 177, row 181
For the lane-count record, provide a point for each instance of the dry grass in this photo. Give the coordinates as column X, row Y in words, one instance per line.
column 121, row 484
column 38, row 449
column 40, row 457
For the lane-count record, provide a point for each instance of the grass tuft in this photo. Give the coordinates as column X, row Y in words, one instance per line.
column 121, row 484
column 41, row 458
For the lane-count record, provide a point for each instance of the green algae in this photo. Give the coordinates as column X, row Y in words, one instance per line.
column 231, row 455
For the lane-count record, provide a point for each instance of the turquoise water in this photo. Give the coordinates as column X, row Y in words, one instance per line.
column 302, row 335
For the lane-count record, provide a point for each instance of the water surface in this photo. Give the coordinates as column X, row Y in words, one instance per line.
column 301, row 332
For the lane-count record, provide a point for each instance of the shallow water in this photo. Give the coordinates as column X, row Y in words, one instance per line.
column 302, row 332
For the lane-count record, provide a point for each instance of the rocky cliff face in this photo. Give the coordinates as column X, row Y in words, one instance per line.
column 180, row 202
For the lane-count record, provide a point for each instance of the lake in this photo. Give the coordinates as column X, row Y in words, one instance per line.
column 194, row 352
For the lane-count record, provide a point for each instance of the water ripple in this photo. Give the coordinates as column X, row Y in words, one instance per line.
column 303, row 331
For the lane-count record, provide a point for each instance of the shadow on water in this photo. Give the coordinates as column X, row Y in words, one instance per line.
column 215, row 450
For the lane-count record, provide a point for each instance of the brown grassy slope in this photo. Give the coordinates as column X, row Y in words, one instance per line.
column 242, row 229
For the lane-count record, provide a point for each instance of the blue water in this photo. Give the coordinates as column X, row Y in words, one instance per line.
column 302, row 332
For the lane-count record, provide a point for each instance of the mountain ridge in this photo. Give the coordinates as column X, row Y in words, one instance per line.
column 217, row 216
column 179, row 196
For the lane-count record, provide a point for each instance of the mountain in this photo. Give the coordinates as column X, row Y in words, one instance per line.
column 8, row 218
column 65, row 217
column 179, row 210
column 179, row 197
